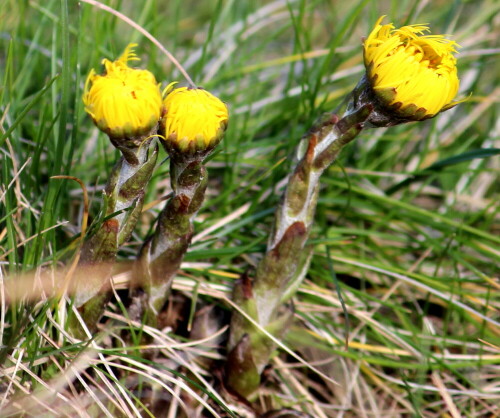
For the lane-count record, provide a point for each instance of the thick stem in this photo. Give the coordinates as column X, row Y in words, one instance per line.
column 123, row 198
column 162, row 254
column 286, row 260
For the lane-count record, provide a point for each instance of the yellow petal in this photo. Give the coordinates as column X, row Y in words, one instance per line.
column 123, row 99
column 420, row 68
column 192, row 115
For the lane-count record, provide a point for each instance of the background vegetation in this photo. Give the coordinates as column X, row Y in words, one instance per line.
column 406, row 231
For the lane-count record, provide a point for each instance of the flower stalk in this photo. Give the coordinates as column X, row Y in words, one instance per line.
column 285, row 263
column 124, row 198
column 193, row 124
column 409, row 77
column 162, row 254
column 125, row 103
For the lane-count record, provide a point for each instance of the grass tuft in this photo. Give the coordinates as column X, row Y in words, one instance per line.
column 400, row 305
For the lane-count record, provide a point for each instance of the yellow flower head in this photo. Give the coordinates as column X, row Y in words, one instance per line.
column 412, row 74
column 124, row 102
column 194, row 119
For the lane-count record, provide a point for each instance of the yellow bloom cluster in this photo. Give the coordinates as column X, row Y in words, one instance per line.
column 123, row 102
column 413, row 74
column 194, row 118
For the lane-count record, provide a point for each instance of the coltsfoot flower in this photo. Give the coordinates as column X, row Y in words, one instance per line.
column 194, row 120
column 124, row 102
column 413, row 75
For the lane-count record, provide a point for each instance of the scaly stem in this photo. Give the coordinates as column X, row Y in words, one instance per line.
column 162, row 254
column 286, row 260
column 123, row 198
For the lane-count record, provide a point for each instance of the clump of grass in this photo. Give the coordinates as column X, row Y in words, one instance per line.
column 405, row 239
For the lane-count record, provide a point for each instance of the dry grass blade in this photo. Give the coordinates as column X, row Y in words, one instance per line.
column 423, row 286
column 85, row 217
column 415, row 269
column 146, row 34
column 452, row 408
column 12, row 378
column 27, row 240
column 278, row 343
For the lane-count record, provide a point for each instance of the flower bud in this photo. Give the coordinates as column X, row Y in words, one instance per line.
column 409, row 76
column 194, row 121
column 123, row 102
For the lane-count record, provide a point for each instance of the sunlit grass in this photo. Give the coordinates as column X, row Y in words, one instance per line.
column 406, row 226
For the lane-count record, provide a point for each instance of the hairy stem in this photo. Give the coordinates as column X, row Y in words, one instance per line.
column 286, row 260
column 123, row 199
column 162, row 254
